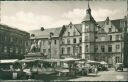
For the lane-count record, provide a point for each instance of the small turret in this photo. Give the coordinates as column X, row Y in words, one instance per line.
column 88, row 14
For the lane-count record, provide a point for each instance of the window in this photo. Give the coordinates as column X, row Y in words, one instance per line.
column 80, row 40
column 74, row 33
column 80, row 49
column 110, row 37
column 54, row 41
column 63, row 50
column 5, row 49
column 103, row 48
column 11, row 50
column 86, row 38
column 117, row 59
column 86, row 48
column 110, row 29
column 63, row 41
column 74, row 40
column 49, row 51
column 117, row 46
column 68, row 33
column 96, row 37
column 17, row 50
column 68, row 41
column 109, row 48
column 68, row 50
column 44, row 51
column 95, row 48
column 117, row 37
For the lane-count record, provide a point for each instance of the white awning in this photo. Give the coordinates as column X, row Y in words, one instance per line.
column 103, row 62
column 93, row 62
column 9, row 61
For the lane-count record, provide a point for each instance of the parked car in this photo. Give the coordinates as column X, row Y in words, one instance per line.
column 103, row 66
column 82, row 68
column 119, row 66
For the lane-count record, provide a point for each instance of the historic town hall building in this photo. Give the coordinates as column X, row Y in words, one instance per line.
column 94, row 40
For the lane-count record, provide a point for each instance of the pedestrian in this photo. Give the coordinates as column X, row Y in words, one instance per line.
column 96, row 70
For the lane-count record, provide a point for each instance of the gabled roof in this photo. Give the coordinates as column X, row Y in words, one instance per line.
column 117, row 23
column 78, row 27
column 101, row 23
column 59, row 31
column 46, row 32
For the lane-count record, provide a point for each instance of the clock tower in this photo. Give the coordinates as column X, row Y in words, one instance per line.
column 88, row 32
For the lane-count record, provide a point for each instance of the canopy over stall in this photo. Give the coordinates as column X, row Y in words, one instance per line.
column 92, row 62
column 26, row 60
column 103, row 62
column 8, row 61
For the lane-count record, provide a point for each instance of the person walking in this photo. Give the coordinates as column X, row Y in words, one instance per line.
column 96, row 70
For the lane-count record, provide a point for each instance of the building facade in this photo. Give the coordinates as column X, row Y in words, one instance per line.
column 13, row 42
column 104, row 40
column 92, row 40
column 71, row 42
column 48, row 41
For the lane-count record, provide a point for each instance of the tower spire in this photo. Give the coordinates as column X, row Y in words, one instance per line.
column 88, row 5
column 89, row 9
column 88, row 13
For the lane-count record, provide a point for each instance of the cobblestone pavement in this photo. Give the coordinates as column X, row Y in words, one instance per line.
column 110, row 75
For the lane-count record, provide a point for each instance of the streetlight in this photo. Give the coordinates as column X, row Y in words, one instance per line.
column 50, row 41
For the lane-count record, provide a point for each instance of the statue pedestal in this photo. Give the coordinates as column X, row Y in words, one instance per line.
column 35, row 55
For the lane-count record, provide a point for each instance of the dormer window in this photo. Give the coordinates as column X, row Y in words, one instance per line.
column 68, row 33
column 110, row 37
column 110, row 29
column 70, row 27
column 32, row 35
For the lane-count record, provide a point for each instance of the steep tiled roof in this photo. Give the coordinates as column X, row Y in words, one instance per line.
column 58, row 31
column 101, row 23
column 116, row 23
column 79, row 27
column 45, row 33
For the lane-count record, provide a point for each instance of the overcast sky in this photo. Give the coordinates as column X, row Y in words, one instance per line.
column 29, row 15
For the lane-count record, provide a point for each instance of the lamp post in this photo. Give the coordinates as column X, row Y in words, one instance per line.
column 50, row 41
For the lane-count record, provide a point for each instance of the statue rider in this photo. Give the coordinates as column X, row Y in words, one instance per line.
column 34, row 46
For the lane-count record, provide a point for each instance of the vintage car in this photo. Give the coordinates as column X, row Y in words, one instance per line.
column 119, row 66
column 10, row 69
column 82, row 68
column 103, row 66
